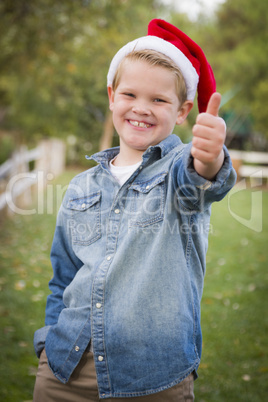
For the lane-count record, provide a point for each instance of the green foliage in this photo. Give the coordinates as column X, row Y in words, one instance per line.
column 7, row 146
column 236, row 45
column 55, row 60
column 241, row 46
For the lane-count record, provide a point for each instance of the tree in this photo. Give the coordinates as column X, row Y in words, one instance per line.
column 235, row 42
column 241, row 48
column 54, row 61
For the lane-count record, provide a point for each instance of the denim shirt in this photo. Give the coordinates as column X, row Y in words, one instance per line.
column 129, row 265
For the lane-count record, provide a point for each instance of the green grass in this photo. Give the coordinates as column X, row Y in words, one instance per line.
column 234, row 320
column 234, row 363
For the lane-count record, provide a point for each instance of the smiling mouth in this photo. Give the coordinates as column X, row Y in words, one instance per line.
column 139, row 124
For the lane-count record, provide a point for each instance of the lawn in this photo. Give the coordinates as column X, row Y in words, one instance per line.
column 234, row 363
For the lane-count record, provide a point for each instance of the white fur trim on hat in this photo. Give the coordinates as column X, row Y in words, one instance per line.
column 160, row 45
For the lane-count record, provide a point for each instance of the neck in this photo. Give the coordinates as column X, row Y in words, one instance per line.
column 128, row 158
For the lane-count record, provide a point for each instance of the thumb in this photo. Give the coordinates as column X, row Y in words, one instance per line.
column 214, row 104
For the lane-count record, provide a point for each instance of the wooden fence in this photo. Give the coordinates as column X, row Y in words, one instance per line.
column 20, row 175
column 251, row 165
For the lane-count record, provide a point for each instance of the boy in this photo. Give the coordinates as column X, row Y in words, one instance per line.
column 123, row 319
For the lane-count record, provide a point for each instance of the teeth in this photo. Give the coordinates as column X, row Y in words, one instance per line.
column 139, row 124
column 143, row 125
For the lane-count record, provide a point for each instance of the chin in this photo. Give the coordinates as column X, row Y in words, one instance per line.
column 139, row 146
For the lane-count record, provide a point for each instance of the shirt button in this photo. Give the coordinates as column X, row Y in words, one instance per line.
column 147, row 187
column 98, row 305
column 100, row 358
column 83, row 205
column 108, row 258
column 77, row 348
column 117, row 211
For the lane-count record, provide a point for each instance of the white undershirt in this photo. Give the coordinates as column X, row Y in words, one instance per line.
column 122, row 173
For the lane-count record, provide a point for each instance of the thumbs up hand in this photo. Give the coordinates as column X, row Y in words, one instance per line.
column 209, row 134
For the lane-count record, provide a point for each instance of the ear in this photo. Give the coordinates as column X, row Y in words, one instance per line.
column 111, row 97
column 184, row 111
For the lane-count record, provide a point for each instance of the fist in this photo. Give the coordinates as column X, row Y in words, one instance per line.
column 209, row 133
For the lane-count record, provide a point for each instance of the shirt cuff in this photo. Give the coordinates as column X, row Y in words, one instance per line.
column 200, row 182
column 40, row 339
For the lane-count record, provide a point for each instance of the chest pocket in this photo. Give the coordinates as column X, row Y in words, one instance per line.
column 147, row 201
column 85, row 223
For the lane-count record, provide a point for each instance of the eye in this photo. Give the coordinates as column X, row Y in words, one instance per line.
column 129, row 94
column 159, row 100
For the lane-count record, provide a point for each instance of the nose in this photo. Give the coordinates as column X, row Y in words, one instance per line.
column 141, row 107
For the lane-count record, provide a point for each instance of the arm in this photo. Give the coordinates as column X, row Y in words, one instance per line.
column 209, row 134
column 65, row 266
column 205, row 173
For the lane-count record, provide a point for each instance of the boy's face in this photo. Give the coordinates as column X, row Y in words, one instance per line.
column 145, row 105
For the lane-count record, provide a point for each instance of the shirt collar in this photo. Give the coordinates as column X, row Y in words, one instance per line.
column 164, row 146
column 104, row 156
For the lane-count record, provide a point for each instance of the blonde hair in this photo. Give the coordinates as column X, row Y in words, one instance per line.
column 154, row 58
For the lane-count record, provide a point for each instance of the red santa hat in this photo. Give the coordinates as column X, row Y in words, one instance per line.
column 187, row 55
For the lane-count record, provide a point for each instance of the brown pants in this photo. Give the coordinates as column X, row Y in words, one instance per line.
column 82, row 386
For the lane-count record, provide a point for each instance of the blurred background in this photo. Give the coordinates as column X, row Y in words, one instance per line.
column 55, row 56
column 54, row 60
